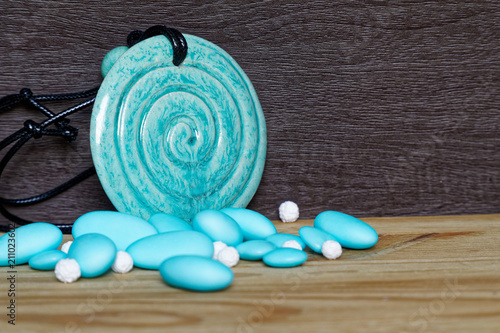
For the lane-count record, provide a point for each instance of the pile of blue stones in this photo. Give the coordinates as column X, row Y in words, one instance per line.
column 196, row 256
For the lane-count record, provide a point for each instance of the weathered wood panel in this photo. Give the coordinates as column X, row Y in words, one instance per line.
column 373, row 108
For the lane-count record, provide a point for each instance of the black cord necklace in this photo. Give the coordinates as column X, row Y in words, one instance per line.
column 35, row 130
column 62, row 128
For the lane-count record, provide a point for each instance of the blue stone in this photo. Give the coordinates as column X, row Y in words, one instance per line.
column 280, row 238
column 166, row 223
column 177, row 139
column 122, row 229
column 285, row 257
column 218, row 226
column 151, row 251
column 196, row 273
column 254, row 249
column 26, row 241
column 349, row 231
column 47, row 260
column 254, row 225
column 95, row 253
column 314, row 237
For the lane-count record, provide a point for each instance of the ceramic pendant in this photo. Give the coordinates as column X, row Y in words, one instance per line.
column 176, row 139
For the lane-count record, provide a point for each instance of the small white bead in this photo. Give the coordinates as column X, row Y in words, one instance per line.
column 123, row 262
column 67, row 270
column 289, row 211
column 292, row 244
column 331, row 249
column 218, row 246
column 65, row 246
column 229, row 256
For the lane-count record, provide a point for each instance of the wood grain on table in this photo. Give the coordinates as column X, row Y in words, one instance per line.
column 426, row 274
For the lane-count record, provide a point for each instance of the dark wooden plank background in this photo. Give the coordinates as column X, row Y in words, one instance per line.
column 374, row 108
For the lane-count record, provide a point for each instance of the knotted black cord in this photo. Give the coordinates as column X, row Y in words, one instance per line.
column 36, row 130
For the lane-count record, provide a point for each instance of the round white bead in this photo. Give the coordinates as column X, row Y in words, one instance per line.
column 123, row 262
column 289, row 211
column 218, row 246
column 229, row 256
column 292, row 244
column 331, row 249
column 67, row 270
column 65, row 246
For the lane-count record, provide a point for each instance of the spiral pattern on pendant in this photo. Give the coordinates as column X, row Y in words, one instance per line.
column 177, row 139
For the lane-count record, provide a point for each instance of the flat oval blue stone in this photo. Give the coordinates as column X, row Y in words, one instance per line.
column 19, row 245
column 47, row 260
column 196, row 273
column 122, row 229
column 166, row 223
column 218, row 226
column 95, row 253
column 254, row 249
column 349, row 231
column 177, row 139
column 314, row 237
column 285, row 257
column 151, row 251
column 280, row 238
column 254, row 225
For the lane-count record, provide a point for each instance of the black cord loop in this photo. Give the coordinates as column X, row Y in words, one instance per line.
column 178, row 41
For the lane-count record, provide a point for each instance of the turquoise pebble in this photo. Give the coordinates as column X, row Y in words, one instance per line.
column 47, row 260
column 254, row 225
column 19, row 245
column 280, row 238
column 285, row 257
column 95, row 253
column 196, row 273
column 218, row 226
column 110, row 58
column 166, row 223
column 349, row 231
column 314, row 237
column 151, row 251
column 254, row 249
column 122, row 229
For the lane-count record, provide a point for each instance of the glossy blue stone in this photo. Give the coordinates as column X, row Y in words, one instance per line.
column 196, row 273
column 285, row 257
column 151, row 251
column 27, row 241
column 177, row 139
column 95, row 253
column 166, row 223
column 314, row 237
column 47, row 260
column 122, row 229
column 349, row 231
column 254, row 225
column 218, row 226
column 280, row 238
column 254, row 249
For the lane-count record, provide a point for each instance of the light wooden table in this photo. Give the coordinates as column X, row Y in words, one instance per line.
column 426, row 274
